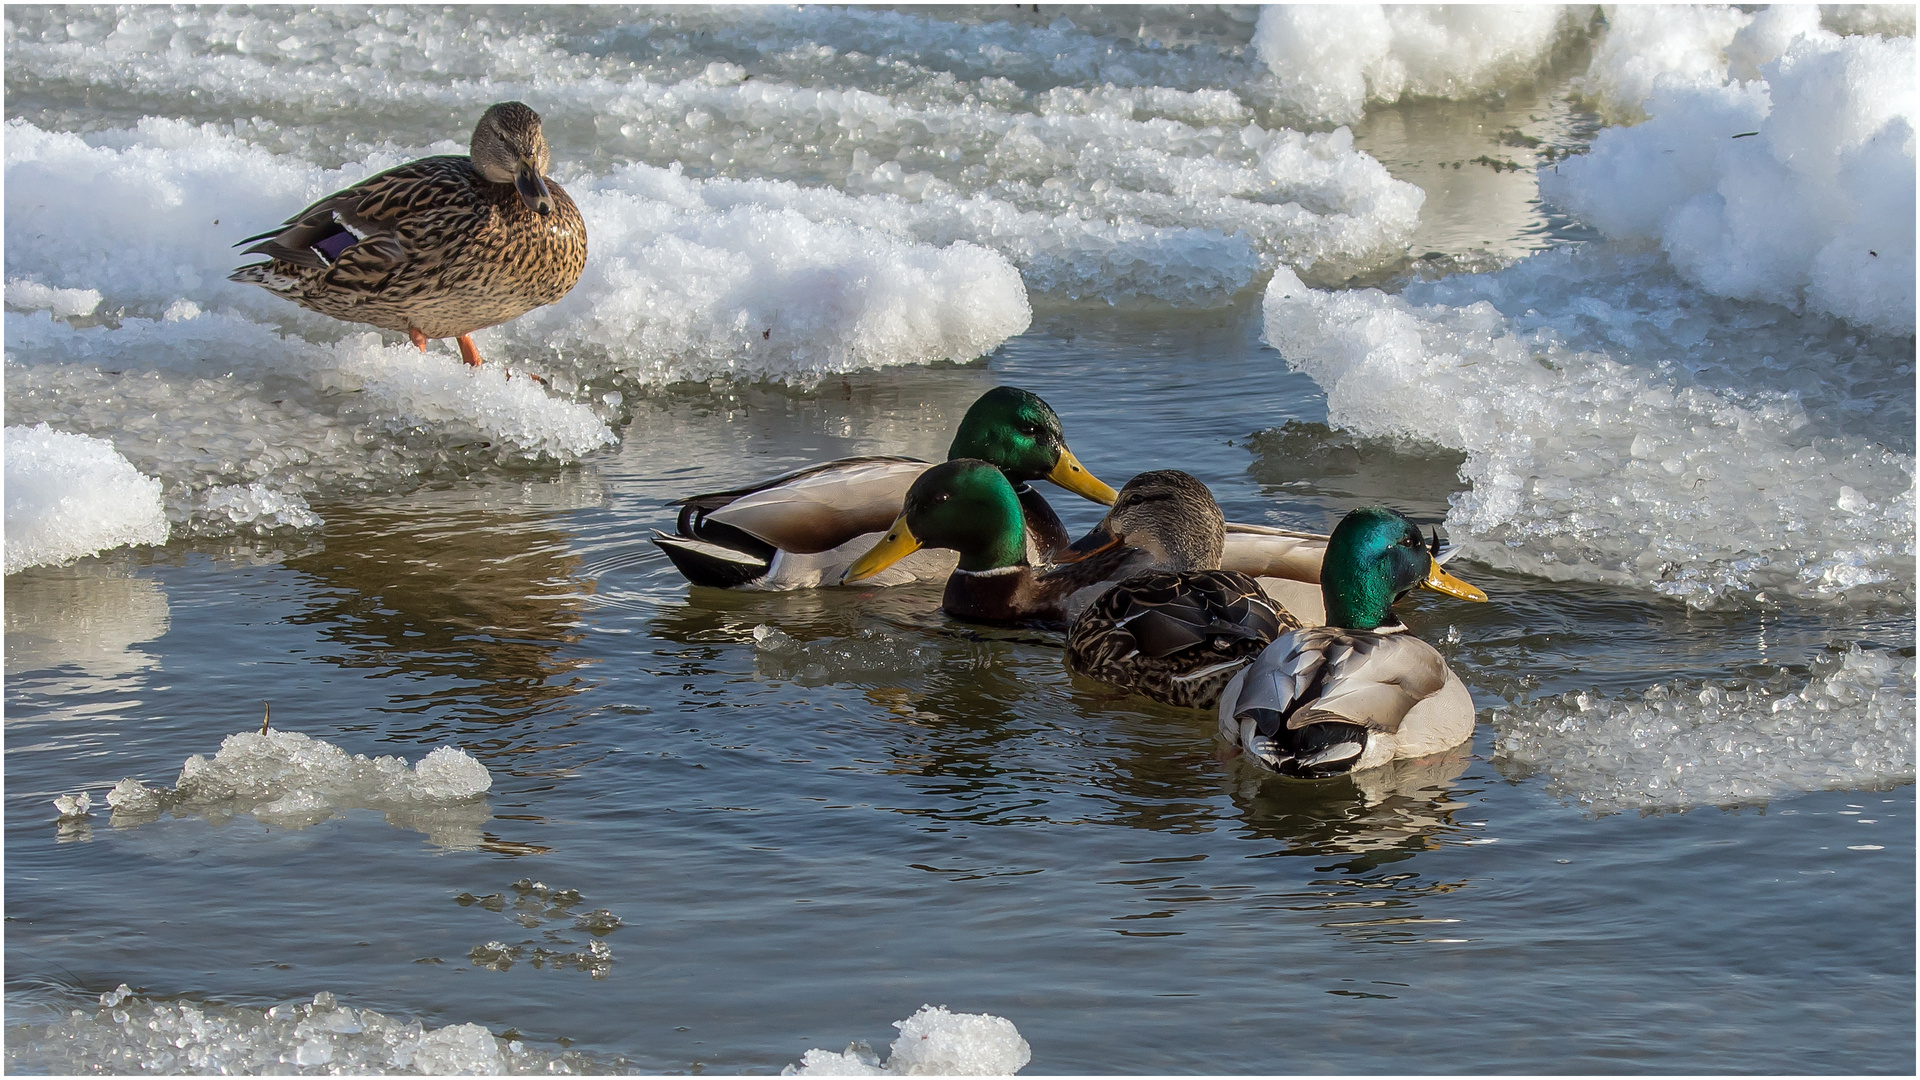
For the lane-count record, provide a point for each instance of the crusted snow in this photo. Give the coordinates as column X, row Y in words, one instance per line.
column 1681, row 744
column 884, row 188
column 1621, row 426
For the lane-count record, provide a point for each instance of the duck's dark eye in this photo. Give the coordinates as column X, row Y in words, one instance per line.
column 942, row 497
column 1029, row 430
column 1136, row 499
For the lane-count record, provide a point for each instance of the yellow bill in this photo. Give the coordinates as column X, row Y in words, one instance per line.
column 896, row 545
column 1440, row 581
column 1070, row 474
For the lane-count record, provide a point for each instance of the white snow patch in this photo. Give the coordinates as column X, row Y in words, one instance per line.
column 71, row 495
column 63, row 303
column 1796, row 187
column 1683, row 744
column 679, row 288
column 1332, row 60
column 1646, row 43
column 932, row 1042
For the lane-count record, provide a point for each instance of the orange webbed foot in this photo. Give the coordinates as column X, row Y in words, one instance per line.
column 419, row 339
column 467, row 351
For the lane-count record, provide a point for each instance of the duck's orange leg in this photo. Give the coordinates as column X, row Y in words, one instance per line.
column 419, row 339
column 467, row 352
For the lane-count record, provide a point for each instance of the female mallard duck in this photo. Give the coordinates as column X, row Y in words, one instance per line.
column 805, row 528
column 1174, row 626
column 439, row 247
column 1360, row 691
column 967, row 506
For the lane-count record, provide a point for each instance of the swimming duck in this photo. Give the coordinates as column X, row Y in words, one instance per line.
column 968, row 507
column 1173, row 626
column 438, row 247
column 1360, row 691
column 804, row 528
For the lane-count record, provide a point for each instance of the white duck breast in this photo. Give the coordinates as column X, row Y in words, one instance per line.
column 1323, row 701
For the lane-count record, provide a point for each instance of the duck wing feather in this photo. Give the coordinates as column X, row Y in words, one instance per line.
column 1265, row 551
column 363, row 232
column 1311, row 676
column 813, row 509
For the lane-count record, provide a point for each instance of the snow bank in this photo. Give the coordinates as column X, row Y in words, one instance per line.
column 1609, row 437
column 1686, row 744
column 129, row 1033
column 71, row 495
column 1150, row 159
column 1796, row 187
column 1332, row 60
column 1647, row 46
column 681, row 288
column 932, row 1042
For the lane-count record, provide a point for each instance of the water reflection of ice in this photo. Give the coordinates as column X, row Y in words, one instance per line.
column 89, row 616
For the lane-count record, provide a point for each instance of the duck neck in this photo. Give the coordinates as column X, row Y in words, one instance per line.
column 995, row 550
column 1356, row 600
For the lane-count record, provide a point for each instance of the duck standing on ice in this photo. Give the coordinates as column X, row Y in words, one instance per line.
column 438, row 247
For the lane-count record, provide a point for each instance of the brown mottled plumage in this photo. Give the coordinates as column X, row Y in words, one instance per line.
column 1180, row 628
column 1176, row 637
column 438, row 247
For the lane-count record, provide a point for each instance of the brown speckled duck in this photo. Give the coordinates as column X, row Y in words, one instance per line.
column 438, row 247
column 1173, row 626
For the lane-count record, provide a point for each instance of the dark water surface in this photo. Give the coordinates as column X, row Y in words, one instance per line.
column 806, row 843
column 809, row 836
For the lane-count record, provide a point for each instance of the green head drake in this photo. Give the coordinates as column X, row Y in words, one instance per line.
column 966, row 505
column 1020, row 434
column 1375, row 557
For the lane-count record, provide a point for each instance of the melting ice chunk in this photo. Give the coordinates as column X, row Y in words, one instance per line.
column 932, row 1042
column 295, row 781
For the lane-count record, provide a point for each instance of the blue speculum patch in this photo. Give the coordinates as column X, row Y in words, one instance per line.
column 330, row 247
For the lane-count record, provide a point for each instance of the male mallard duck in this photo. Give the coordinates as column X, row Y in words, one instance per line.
column 1180, row 628
column 439, row 247
column 1360, row 691
column 967, row 506
column 804, row 528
